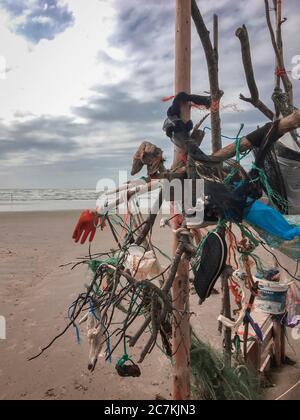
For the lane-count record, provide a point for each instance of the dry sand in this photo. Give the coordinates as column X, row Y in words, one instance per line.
column 34, row 296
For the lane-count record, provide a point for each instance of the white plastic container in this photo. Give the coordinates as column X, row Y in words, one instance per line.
column 272, row 297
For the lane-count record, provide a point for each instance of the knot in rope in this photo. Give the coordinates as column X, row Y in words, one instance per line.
column 280, row 72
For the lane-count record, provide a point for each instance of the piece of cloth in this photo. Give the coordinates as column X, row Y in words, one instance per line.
column 150, row 155
column 211, row 266
column 256, row 137
column 183, row 98
column 225, row 202
column 271, row 221
column 174, row 124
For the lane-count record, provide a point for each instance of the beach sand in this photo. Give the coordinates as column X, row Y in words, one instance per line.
column 34, row 296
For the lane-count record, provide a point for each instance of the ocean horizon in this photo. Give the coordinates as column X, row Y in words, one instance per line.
column 59, row 199
column 46, row 199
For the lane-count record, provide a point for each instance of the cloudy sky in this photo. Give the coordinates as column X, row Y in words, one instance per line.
column 81, row 81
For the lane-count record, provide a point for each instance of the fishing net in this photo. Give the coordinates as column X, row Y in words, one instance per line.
column 274, row 177
column 266, row 160
column 213, row 379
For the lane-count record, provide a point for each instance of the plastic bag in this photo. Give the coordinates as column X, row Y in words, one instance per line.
column 142, row 265
column 271, row 221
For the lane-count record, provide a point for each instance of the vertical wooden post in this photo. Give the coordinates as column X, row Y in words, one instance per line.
column 277, row 6
column 227, row 313
column 181, row 326
column 216, row 35
column 277, row 331
column 216, row 146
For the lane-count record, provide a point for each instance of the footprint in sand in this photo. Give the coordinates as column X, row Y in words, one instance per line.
column 50, row 393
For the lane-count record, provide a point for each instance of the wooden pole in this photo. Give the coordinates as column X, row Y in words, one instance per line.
column 181, row 326
column 288, row 86
column 277, row 6
column 216, row 146
column 213, row 72
column 216, row 35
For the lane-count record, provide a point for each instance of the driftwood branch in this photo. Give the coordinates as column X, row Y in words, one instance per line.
column 278, row 49
column 243, row 36
column 213, row 72
column 150, row 221
column 286, row 125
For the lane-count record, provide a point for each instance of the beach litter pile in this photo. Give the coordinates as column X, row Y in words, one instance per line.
column 130, row 297
column 130, row 280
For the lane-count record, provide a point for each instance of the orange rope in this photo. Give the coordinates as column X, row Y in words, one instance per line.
column 231, row 248
column 215, row 106
column 167, row 98
column 177, row 220
column 234, row 288
column 280, row 72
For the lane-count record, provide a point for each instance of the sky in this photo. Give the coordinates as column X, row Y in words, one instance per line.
column 81, row 82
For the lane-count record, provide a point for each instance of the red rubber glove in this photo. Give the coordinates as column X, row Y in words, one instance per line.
column 87, row 226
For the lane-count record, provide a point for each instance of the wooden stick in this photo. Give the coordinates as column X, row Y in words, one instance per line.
column 181, row 336
column 277, row 331
column 216, row 35
column 243, row 36
column 150, row 221
column 227, row 273
column 278, row 10
column 213, row 73
column 288, row 87
column 286, row 125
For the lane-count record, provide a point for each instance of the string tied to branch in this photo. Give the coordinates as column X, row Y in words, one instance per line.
column 215, row 105
column 280, row 72
column 121, row 362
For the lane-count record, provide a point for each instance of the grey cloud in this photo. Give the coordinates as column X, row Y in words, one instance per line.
column 41, row 136
column 43, row 19
column 113, row 103
column 117, row 117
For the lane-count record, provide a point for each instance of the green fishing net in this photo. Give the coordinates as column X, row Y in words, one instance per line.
column 213, row 379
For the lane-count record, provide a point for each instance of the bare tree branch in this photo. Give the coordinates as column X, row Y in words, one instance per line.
column 286, row 125
column 213, row 73
column 288, row 87
column 243, row 36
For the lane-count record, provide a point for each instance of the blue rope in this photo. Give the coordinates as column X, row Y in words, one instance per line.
column 93, row 311
column 108, row 348
column 225, row 137
column 78, row 339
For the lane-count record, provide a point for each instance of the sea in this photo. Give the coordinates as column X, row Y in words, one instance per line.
column 30, row 200
column 22, row 200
